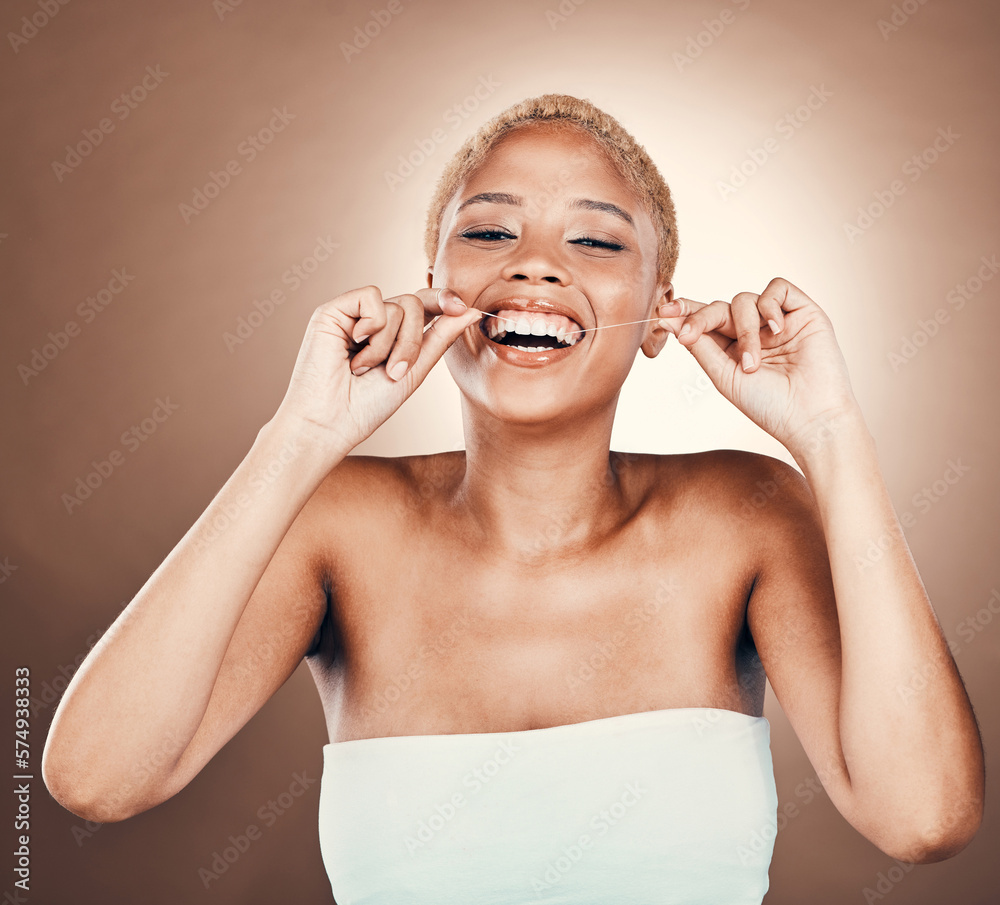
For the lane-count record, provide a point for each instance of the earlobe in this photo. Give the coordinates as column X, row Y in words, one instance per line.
column 654, row 342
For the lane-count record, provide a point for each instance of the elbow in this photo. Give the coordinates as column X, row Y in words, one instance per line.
column 78, row 800
column 939, row 839
column 95, row 808
column 83, row 799
column 89, row 809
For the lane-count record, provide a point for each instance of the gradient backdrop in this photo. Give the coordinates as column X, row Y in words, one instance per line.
column 848, row 147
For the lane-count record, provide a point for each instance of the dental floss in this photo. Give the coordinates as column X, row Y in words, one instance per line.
column 602, row 327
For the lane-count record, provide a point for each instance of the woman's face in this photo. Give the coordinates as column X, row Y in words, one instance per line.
column 547, row 234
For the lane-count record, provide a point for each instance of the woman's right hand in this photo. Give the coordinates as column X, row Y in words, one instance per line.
column 347, row 380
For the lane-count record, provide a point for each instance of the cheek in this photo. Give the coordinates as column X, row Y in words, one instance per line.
column 459, row 254
column 622, row 291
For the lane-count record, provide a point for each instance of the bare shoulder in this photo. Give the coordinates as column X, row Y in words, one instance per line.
column 368, row 504
column 731, row 483
column 386, row 483
column 752, row 487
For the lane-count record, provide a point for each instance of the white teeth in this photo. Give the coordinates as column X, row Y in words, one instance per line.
column 559, row 328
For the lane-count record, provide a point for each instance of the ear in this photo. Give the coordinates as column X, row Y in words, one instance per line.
column 656, row 335
column 430, row 277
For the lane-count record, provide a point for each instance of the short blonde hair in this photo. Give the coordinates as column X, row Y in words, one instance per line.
column 623, row 151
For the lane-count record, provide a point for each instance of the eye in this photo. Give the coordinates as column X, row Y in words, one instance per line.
column 597, row 243
column 499, row 235
column 488, row 235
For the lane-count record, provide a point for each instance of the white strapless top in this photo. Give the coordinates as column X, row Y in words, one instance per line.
column 665, row 806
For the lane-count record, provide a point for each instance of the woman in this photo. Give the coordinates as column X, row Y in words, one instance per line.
column 541, row 661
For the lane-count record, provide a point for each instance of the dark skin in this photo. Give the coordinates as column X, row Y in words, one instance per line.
column 543, row 547
column 469, row 591
column 500, row 641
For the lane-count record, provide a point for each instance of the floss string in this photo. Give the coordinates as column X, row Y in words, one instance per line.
column 602, row 327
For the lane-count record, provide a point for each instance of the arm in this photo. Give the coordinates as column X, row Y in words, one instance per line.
column 914, row 752
column 229, row 614
column 905, row 768
column 173, row 680
column 842, row 637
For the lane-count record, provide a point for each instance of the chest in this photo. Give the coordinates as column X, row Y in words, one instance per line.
column 466, row 642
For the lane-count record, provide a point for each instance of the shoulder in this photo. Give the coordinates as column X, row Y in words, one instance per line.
column 389, row 479
column 751, row 487
column 369, row 498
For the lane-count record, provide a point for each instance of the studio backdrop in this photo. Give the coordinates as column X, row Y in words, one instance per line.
column 183, row 183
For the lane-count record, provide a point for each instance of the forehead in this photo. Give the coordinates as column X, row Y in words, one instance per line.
column 555, row 160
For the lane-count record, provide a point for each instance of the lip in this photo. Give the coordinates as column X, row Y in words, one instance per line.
column 531, row 359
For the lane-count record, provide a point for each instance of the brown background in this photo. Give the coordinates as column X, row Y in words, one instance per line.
column 67, row 575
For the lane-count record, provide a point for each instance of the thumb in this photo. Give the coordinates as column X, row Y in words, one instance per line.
column 438, row 337
column 708, row 352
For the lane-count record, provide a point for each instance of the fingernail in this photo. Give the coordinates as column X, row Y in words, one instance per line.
column 449, row 295
column 667, row 305
column 684, row 330
column 362, row 337
column 361, row 371
column 774, row 326
column 747, row 361
column 397, row 370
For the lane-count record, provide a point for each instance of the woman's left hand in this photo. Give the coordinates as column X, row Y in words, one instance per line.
column 773, row 355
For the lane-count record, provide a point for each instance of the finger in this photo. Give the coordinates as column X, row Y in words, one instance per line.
column 436, row 340
column 746, row 319
column 679, row 307
column 770, row 310
column 779, row 297
column 769, row 306
column 409, row 336
column 367, row 306
column 356, row 313
column 441, row 300
column 716, row 316
column 672, row 313
column 710, row 351
column 381, row 341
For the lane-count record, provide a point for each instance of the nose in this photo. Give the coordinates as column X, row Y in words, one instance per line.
column 535, row 261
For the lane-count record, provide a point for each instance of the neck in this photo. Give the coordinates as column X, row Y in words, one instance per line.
column 530, row 489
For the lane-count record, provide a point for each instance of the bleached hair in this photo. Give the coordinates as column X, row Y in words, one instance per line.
column 627, row 156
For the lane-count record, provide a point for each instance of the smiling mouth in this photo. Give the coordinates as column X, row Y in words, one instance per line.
column 531, row 331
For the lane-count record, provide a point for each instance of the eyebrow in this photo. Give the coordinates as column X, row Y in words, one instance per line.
column 577, row 203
